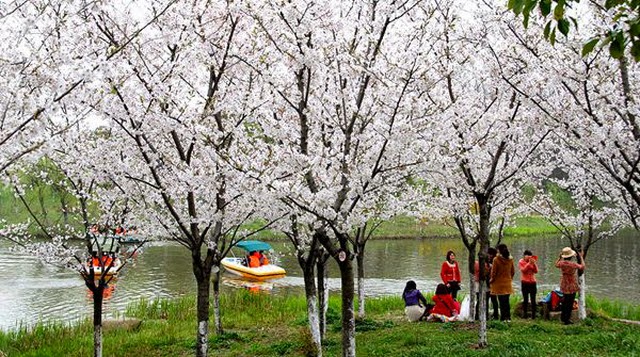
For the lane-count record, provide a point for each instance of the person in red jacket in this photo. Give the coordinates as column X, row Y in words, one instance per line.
column 569, row 281
column 446, row 309
column 450, row 274
column 528, row 270
column 254, row 259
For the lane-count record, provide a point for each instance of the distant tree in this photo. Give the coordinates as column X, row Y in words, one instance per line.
column 591, row 103
column 592, row 214
column 489, row 140
column 340, row 113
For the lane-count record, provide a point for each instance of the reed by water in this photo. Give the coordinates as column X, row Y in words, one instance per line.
column 265, row 325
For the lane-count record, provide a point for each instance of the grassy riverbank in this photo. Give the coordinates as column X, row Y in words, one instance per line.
column 264, row 325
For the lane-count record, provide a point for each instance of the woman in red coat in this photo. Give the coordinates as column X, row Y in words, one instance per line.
column 450, row 274
column 446, row 309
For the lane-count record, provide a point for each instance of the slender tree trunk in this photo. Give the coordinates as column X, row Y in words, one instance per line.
column 348, row 316
column 472, row 285
column 582, row 301
column 217, row 315
column 202, row 340
column 323, row 293
column 485, row 216
column 65, row 210
column 482, row 304
column 312, row 309
column 361, row 298
column 98, row 292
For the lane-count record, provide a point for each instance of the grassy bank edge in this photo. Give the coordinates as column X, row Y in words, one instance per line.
column 265, row 325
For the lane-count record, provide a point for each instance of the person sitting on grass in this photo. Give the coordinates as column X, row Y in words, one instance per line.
column 414, row 302
column 446, row 309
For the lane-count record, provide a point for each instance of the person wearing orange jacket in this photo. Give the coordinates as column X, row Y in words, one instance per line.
column 501, row 278
column 450, row 274
column 254, row 259
column 263, row 259
column 528, row 270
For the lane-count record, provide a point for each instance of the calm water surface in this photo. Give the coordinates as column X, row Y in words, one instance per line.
column 31, row 291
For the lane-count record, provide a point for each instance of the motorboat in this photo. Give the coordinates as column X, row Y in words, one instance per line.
column 104, row 256
column 129, row 239
column 240, row 267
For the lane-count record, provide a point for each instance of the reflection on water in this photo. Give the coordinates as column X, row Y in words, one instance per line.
column 31, row 291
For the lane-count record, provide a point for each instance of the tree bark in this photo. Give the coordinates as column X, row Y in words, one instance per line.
column 485, row 216
column 202, row 305
column 312, row 309
column 582, row 301
column 323, row 293
column 217, row 315
column 97, row 319
column 361, row 298
column 348, row 316
column 472, row 286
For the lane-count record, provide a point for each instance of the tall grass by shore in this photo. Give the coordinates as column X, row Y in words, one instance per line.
column 265, row 325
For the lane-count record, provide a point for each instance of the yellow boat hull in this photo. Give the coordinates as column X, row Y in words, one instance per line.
column 266, row 272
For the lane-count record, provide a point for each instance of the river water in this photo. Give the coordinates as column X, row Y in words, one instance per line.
column 31, row 291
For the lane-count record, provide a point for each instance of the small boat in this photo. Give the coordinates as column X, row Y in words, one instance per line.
column 116, row 264
column 238, row 266
column 104, row 254
column 129, row 239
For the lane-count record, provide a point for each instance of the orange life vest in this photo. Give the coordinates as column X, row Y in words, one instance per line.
column 254, row 261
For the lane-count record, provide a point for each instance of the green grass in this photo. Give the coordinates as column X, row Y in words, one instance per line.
column 264, row 325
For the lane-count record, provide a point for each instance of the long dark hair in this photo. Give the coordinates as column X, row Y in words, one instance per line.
column 442, row 289
column 504, row 251
column 449, row 253
column 411, row 285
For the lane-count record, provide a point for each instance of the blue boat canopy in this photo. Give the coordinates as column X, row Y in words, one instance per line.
column 253, row 245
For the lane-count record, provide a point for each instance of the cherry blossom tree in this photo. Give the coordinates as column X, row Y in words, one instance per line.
column 593, row 213
column 47, row 60
column 592, row 102
column 493, row 141
column 59, row 244
column 341, row 114
column 181, row 144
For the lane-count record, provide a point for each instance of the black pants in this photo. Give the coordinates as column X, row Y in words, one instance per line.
column 494, row 306
column 454, row 286
column 529, row 291
column 505, row 307
column 567, row 307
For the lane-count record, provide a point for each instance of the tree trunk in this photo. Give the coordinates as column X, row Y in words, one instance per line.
column 360, row 263
column 323, row 293
column 348, row 316
column 97, row 319
column 485, row 216
column 312, row 309
column 472, row 286
column 482, row 310
column 217, row 315
column 202, row 340
column 582, row 301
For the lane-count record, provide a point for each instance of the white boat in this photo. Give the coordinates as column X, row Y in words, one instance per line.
column 97, row 267
column 104, row 256
column 236, row 266
column 239, row 266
